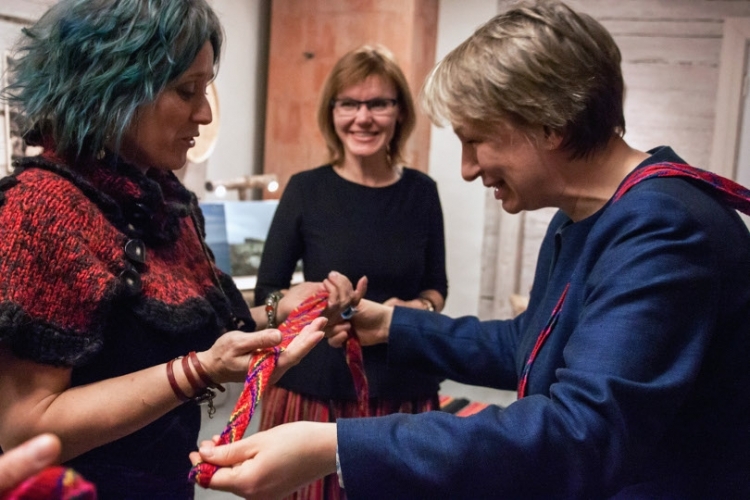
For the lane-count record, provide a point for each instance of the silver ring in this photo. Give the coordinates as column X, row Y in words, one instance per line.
column 348, row 313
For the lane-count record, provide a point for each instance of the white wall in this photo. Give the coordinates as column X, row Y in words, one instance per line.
column 463, row 203
column 241, row 87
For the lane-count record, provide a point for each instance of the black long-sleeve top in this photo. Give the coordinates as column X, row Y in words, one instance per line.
column 393, row 235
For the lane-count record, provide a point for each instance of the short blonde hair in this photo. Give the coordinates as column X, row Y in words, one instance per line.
column 353, row 68
column 538, row 64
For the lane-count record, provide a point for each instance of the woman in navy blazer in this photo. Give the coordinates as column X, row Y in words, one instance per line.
column 632, row 360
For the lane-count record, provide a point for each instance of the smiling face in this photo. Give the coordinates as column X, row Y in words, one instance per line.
column 162, row 132
column 365, row 134
column 513, row 162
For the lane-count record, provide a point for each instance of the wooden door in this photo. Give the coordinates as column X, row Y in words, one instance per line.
column 307, row 37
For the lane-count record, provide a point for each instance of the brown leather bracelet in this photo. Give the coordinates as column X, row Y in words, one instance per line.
column 173, row 383
column 197, row 387
column 202, row 373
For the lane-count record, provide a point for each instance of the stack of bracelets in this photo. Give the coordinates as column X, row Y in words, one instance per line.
column 203, row 390
column 272, row 304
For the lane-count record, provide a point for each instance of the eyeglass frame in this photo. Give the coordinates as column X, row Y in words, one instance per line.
column 392, row 103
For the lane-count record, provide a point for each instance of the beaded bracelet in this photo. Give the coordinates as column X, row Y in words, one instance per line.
column 272, row 304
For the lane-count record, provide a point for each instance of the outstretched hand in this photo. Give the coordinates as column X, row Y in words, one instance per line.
column 227, row 360
column 272, row 463
column 299, row 347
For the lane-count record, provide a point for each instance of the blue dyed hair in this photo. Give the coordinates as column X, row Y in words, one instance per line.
column 85, row 67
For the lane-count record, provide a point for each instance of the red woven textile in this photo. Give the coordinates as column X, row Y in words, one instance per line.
column 261, row 367
column 53, row 483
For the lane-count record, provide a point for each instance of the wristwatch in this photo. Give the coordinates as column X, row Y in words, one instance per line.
column 272, row 305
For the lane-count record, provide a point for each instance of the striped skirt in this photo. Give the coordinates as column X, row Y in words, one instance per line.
column 280, row 406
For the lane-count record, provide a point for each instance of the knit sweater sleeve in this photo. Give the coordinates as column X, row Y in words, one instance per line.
column 58, row 270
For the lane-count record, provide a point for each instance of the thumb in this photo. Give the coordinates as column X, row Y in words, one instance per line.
column 360, row 291
column 28, row 459
column 225, row 455
column 263, row 338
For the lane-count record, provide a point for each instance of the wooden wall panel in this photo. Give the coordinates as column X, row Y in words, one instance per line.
column 307, row 38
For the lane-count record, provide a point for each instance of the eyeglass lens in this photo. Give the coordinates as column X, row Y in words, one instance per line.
column 379, row 105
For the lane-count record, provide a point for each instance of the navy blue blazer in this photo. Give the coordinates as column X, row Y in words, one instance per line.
column 642, row 389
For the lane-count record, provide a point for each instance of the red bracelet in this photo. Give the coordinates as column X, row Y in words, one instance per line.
column 202, row 373
column 173, row 383
column 191, row 378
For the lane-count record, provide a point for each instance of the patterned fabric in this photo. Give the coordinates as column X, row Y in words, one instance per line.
column 733, row 194
column 261, row 367
column 53, row 483
column 103, row 271
column 355, row 361
column 79, row 222
column 281, row 406
column 730, row 192
column 539, row 342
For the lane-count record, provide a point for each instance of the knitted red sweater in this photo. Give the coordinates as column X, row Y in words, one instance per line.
column 73, row 242
column 102, row 269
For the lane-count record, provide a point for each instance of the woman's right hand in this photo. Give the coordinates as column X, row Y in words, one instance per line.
column 371, row 322
column 228, row 359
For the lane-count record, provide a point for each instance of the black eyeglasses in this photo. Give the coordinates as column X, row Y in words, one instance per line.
column 377, row 106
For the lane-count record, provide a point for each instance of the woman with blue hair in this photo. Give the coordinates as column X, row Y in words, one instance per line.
column 112, row 312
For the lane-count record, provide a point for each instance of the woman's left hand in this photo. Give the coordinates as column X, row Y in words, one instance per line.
column 272, row 463
column 341, row 295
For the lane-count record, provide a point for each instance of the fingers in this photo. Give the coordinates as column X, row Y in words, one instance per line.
column 306, row 340
column 226, row 477
column 299, row 347
column 337, row 286
column 338, row 340
column 360, row 291
column 264, row 338
column 228, row 357
column 228, row 454
column 28, row 459
column 393, row 301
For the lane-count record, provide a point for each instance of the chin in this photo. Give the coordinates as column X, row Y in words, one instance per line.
column 365, row 152
column 176, row 164
column 511, row 208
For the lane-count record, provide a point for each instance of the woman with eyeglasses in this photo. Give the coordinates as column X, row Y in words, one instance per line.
column 365, row 214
